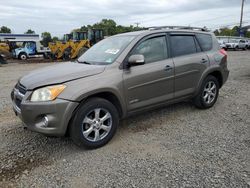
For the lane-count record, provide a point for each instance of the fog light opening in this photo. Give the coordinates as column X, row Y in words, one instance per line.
column 45, row 121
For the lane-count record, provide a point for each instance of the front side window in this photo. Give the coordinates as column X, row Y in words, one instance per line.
column 182, row 45
column 153, row 49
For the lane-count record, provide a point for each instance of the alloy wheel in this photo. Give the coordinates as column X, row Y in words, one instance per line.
column 210, row 92
column 96, row 124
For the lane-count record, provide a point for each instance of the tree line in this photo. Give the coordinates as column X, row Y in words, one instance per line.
column 110, row 27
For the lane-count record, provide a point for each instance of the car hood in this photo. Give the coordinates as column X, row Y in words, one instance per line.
column 60, row 73
column 231, row 43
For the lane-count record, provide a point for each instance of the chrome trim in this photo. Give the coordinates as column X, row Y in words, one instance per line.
column 17, row 93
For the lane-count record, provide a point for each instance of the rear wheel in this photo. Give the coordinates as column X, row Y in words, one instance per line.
column 94, row 124
column 208, row 93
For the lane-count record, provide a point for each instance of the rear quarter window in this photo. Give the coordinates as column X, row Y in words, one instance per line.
column 205, row 41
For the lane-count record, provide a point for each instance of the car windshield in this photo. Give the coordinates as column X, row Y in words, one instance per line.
column 106, row 51
column 233, row 41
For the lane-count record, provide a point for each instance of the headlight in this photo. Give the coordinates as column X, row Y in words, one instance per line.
column 48, row 93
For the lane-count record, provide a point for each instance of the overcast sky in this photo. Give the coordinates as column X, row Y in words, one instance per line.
column 61, row 16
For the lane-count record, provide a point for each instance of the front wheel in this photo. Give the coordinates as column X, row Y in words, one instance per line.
column 94, row 124
column 208, row 93
column 23, row 56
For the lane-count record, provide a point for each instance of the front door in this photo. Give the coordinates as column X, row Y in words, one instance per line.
column 152, row 82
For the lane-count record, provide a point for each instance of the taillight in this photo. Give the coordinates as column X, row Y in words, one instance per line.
column 223, row 52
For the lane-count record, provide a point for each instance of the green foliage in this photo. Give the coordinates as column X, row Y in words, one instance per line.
column 230, row 32
column 109, row 27
column 54, row 39
column 46, row 38
column 5, row 29
column 29, row 31
column 247, row 34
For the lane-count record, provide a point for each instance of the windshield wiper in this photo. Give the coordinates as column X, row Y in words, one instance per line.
column 85, row 62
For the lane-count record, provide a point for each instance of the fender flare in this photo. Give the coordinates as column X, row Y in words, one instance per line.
column 204, row 75
column 93, row 93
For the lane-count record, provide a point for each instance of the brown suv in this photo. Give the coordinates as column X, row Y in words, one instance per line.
column 119, row 76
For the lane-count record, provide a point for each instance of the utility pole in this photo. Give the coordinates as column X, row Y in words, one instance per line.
column 241, row 16
column 137, row 24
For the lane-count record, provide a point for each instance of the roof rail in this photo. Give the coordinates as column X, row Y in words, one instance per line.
column 178, row 27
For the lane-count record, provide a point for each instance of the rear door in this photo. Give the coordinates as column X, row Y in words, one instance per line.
column 152, row 82
column 190, row 62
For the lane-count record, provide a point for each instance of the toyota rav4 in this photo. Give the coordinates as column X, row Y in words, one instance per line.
column 120, row 76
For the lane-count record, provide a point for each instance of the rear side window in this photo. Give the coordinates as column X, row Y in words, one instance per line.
column 182, row 45
column 153, row 49
column 205, row 41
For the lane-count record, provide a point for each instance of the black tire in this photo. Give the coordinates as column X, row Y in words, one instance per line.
column 45, row 55
column 67, row 54
column 236, row 48
column 78, row 127
column 199, row 100
column 22, row 56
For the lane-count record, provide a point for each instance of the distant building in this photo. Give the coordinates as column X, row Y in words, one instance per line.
column 18, row 37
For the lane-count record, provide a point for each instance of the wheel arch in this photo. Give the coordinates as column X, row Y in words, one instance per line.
column 216, row 72
column 21, row 53
column 108, row 95
column 111, row 97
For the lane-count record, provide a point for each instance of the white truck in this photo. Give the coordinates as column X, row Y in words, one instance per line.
column 237, row 44
column 30, row 49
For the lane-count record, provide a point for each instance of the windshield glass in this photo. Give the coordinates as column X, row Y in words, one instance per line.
column 233, row 40
column 106, row 51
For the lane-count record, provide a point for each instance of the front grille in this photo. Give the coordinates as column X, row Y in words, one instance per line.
column 21, row 88
column 17, row 96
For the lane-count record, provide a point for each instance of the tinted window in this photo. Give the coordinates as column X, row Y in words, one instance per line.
column 205, row 41
column 153, row 49
column 182, row 45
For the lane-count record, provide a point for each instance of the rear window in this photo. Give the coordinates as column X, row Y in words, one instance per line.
column 205, row 41
column 182, row 45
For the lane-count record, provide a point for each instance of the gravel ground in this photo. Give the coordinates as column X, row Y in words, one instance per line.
column 176, row 146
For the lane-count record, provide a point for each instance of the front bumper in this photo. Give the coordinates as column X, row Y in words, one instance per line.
column 49, row 118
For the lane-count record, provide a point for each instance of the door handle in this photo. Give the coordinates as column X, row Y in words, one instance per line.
column 168, row 68
column 203, row 60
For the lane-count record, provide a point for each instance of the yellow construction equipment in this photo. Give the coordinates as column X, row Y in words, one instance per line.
column 78, row 48
column 4, row 51
column 4, row 47
column 75, row 44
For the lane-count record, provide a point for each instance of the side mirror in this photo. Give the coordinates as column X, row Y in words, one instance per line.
column 136, row 59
